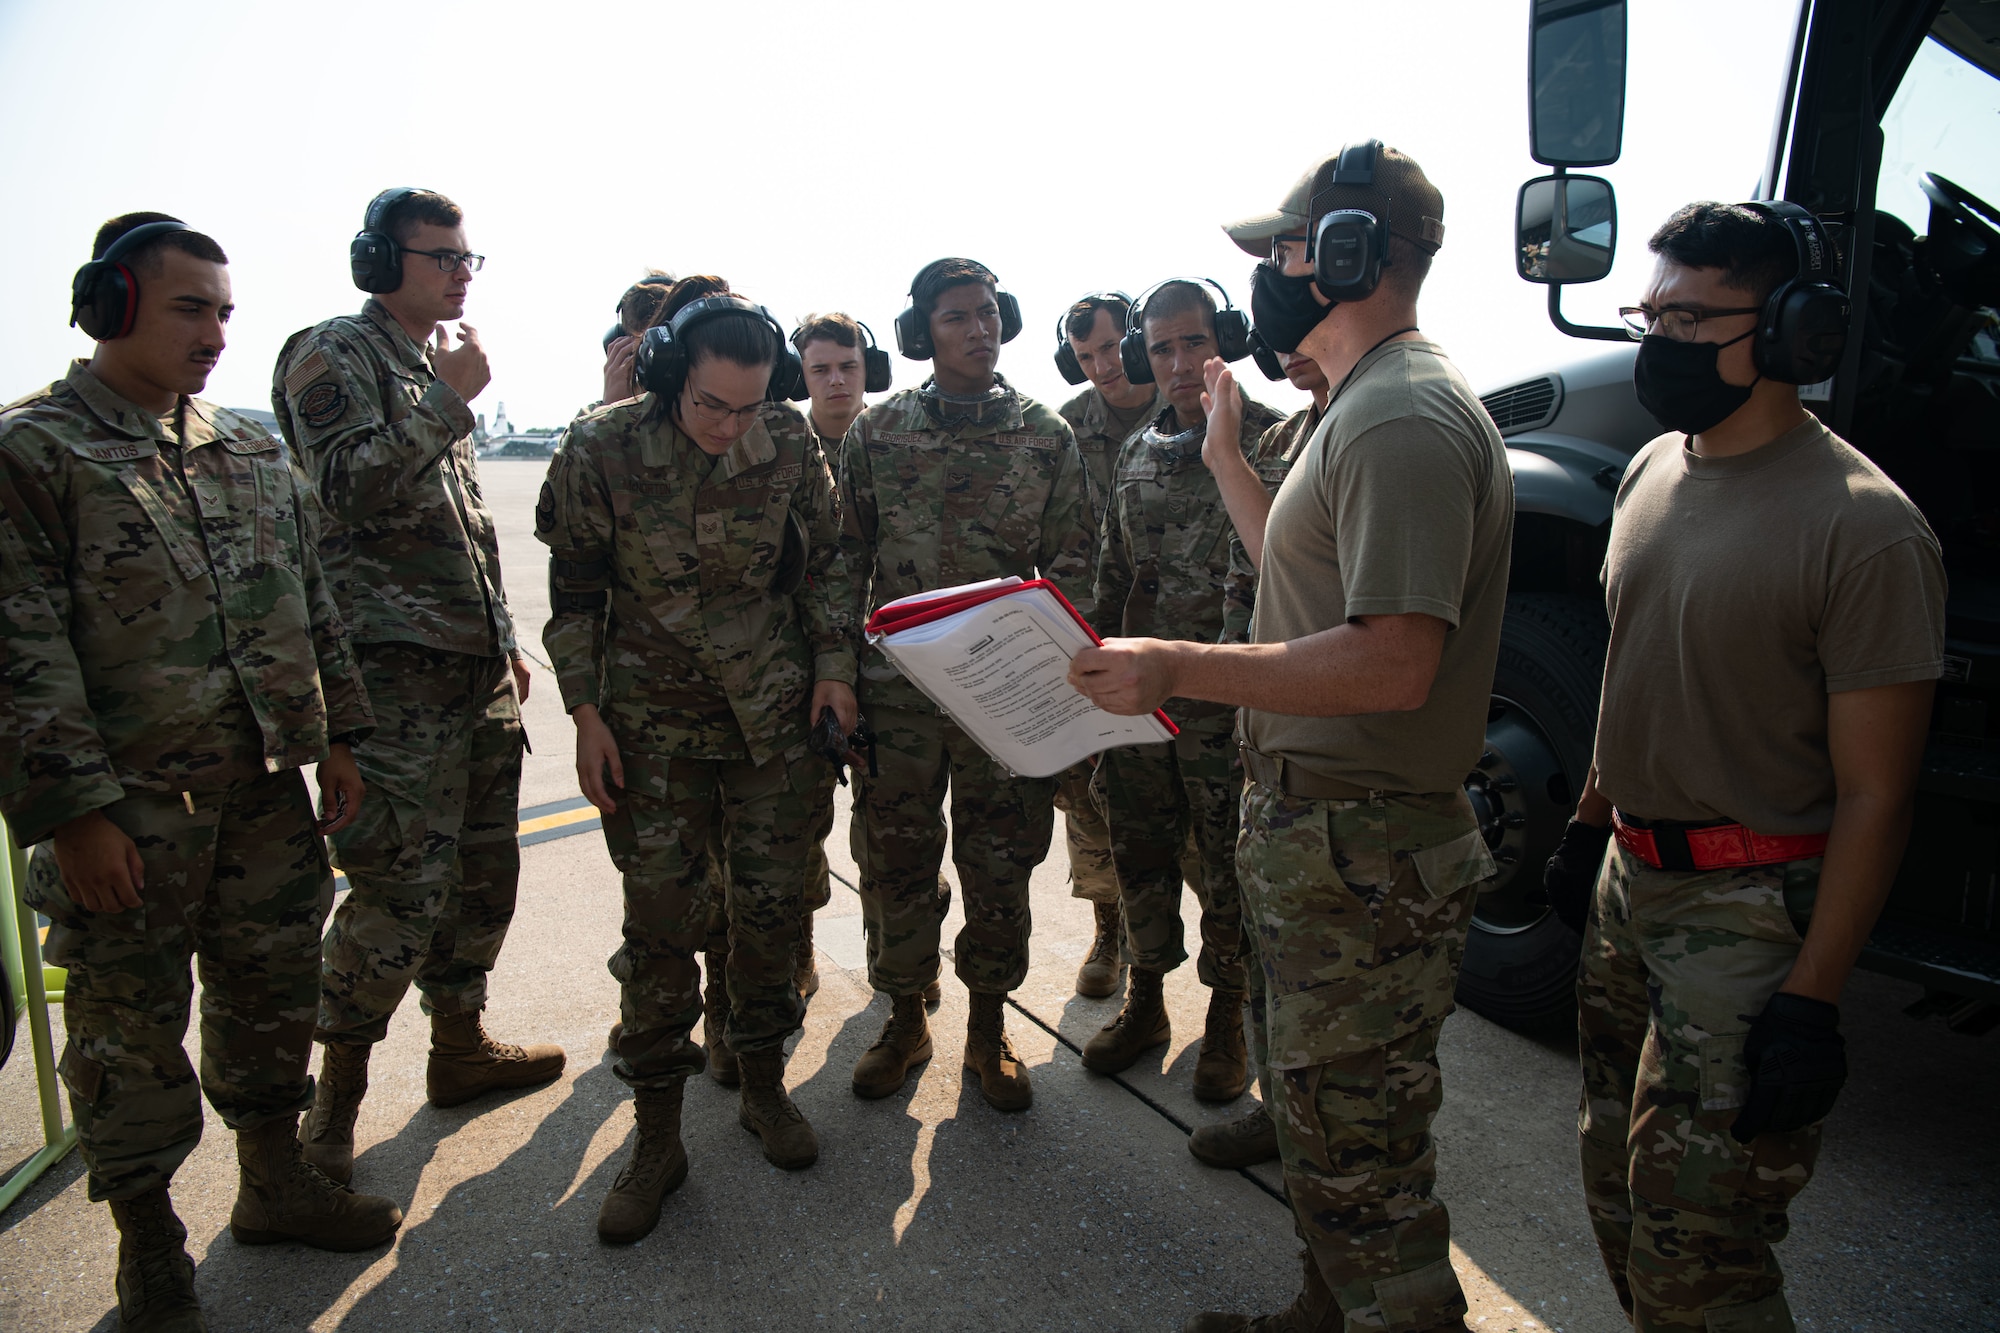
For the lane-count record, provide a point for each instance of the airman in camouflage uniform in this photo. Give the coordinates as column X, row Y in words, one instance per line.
column 433, row 864
column 700, row 608
column 1090, row 332
column 1162, row 567
column 170, row 657
column 959, row 480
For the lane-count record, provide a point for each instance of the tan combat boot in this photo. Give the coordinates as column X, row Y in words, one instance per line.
column 933, row 995
column 1222, row 1070
column 1138, row 1027
column 613, row 1037
column 805, row 970
column 659, row 1164
column 1235, row 1144
column 1313, row 1310
column 155, row 1281
column 282, row 1196
column 715, row 1024
column 1098, row 977
column 327, row 1135
column 767, row 1111
column 904, row 1044
column 465, row 1062
column 1003, row 1079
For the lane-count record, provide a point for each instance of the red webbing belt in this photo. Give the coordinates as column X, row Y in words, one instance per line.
column 1713, row 847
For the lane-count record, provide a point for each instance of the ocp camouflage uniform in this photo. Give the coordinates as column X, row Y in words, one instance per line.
column 1162, row 566
column 995, row 489
column 433, row 863
column 170, row 655
column 696, row 602
column 1085, row 827
column 1284, row 440
column 1674, row 967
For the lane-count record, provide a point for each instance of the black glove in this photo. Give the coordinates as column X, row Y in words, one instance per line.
column 1797, row 1061
column 1571, row 874
column 826, row 741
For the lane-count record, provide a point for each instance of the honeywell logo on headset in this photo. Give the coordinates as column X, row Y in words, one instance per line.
column 1815, row 246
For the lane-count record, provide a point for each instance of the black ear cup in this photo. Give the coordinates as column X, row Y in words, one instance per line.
column 660, row 364
column 913, row 334
column 104, row 294
column 1350, row 245
column 1010, row 316
column 1802, row 331
column 1066, row 363
column 375, row 262
column 1232, row 335
column 788, row 374
column 878, row 374
column 1266, row 359
column 1132, row 351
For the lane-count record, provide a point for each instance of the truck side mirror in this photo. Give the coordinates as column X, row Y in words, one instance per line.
column 1576, row 82
column 1565, row 229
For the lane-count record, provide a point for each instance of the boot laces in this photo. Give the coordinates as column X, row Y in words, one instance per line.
column 498, row 1050
column 1254, row 1125
column 651, row 1154
column 1104, row 948
column 166, row 1274
column 905, row 1022
column 1220, row 1019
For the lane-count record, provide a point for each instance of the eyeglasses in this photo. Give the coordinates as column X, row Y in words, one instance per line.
column 449, row 260
column 715, row 413
column 1277, row 252
column 1677, row 325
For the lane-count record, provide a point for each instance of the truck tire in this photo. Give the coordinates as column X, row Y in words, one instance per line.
column 1520, row 962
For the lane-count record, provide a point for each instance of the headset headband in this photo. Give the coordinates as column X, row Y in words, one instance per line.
column 1135, row 319
column 1808, row 237
column 1357, row 163
column 143, row 234
column 378, row 207
column 1097, row 301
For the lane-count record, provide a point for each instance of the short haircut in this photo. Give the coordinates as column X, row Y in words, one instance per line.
column 642, row 300
column 1178, row 298
column 1082, row 316
column 149, row 258
column 402, row 218
column 941, row 275
column 833, row 325
column 1409, row 264
column 1754, row 253
column 688, row 289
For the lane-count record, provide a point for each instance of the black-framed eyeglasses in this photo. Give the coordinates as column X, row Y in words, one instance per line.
column 1301, row 240
column 716, row 413
column 1680, row 326
column 449, row 260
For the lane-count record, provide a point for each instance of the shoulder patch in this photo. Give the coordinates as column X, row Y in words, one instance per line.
column 310, row 367
column 114, row 451
column 545, row 509
column 322, row 404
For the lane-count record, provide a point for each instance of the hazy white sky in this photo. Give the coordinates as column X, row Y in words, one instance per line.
column 816, row 154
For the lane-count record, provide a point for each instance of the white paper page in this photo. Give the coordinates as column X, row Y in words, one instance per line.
column 1000, row 670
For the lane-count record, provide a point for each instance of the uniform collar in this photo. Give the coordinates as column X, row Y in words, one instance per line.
column 408, row 350
column 999, row 409
column 134, row 422
column 1097, row 412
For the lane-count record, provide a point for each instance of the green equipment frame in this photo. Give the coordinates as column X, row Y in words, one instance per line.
column 34, row 986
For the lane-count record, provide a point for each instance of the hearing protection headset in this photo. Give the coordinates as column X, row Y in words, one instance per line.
column 1267, row 360
column 663, row 361
column 1350, row 246
column 1066, row 362
column 618, row 330
column 373, row 257
column 877, row 375
column 104, row 294
column 913, row 326
column 1232, row 331
column 1802, row 330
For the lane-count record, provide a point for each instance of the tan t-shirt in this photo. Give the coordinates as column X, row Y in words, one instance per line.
column 1742, row 592
column 1401, row 502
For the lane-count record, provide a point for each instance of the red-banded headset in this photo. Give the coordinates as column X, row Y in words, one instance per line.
column 104, row 294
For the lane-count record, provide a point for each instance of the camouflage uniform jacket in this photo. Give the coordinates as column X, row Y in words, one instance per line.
column 1163, row 558
column 696, row 600
column 164, row 625
column 1098, row 440
column 1284, row 440
column 932, row 505
column 409, row 546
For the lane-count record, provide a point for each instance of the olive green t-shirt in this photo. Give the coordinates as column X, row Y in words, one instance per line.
column 1742, row 592
column 1401, row 502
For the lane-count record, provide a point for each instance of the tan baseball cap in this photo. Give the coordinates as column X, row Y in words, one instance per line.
column 1399, row 192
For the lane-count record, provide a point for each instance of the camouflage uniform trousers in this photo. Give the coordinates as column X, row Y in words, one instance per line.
column 243, row 885
column 819, row 878
column 660, row 838
column 1000, row 825
column 1675, row 967
column 1087, row 833
column 1159, row 798
column 1360, row 910
column 433, row 862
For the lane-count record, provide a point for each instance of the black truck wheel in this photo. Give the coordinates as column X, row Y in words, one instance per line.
column 1520, row 962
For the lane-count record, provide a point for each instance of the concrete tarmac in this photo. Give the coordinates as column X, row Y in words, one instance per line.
column 931, row 1210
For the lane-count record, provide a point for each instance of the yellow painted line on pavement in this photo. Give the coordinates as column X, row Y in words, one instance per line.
column 557, row 820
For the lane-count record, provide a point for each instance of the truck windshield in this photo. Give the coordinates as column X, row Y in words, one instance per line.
column 1944, row 118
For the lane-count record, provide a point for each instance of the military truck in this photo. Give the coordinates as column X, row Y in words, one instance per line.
column 1889, row 120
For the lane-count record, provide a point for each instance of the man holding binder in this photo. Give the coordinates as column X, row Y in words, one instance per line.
column 1383, row 570
column 960, row 479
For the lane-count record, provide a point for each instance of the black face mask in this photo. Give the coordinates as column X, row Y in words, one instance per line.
column 1679, row 384
column 1284, row 309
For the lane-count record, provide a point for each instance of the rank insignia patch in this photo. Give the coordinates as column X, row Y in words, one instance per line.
column 322, row 405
